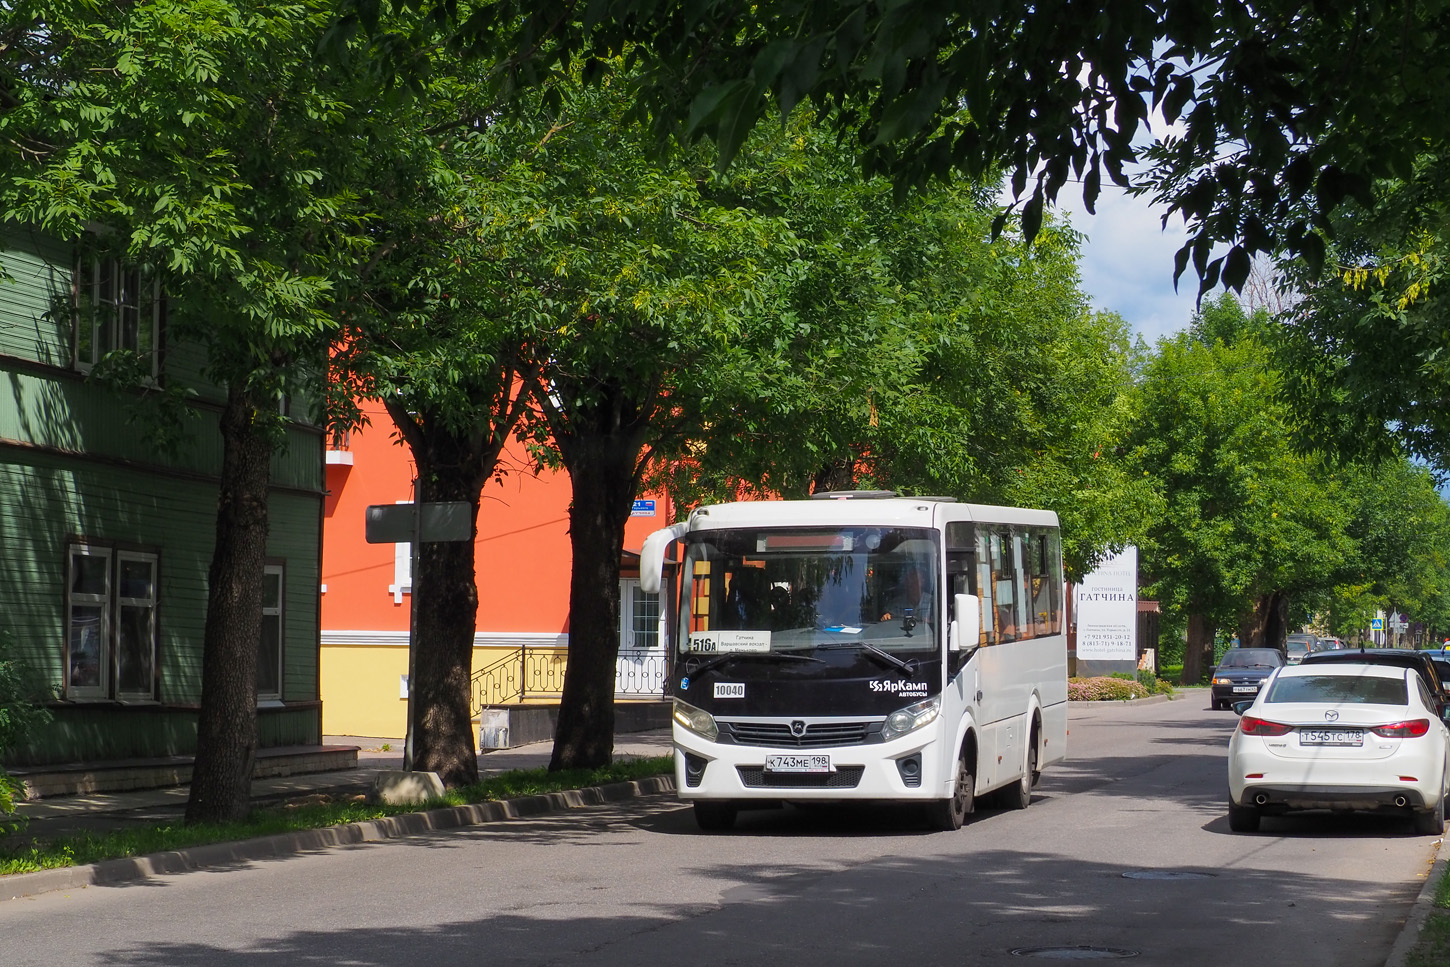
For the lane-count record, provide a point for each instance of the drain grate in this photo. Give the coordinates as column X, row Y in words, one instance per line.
column 1166, row 875
column 1079, row 952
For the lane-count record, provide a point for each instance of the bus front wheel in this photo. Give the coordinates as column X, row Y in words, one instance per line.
column 715, row 817
column 950, row 813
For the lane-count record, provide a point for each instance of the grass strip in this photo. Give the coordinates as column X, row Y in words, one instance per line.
column 1433, row 947
column 313, row 811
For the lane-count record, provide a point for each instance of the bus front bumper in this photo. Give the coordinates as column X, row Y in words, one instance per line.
column 907, row 768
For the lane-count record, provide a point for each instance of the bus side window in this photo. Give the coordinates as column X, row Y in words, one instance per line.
column 1054, row 573
column 1045, row 579
column 1035, row 568
column 1026, row 627
column 1005, row 588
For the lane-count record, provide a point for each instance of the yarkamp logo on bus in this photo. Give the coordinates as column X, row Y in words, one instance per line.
column 900, row 687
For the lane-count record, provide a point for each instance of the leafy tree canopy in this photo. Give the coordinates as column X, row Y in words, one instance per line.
column 1287, row 109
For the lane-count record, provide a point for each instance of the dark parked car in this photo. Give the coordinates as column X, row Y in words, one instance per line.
column 1442, row 668
column 1298, row 645
column 1420, row 661
column 1240, row 673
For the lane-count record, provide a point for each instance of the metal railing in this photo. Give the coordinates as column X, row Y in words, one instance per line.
column 525, row 674
column 640, row 673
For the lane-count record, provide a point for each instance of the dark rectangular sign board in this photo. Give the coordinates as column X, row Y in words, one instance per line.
column 442, row 521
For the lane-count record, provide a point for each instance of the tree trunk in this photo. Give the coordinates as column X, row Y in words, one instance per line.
column 1276, row 622
column 602, row 470
column 1198, row 654
column 835, row 476
column 226, row 739
column 447, row 601
column 1267, row 624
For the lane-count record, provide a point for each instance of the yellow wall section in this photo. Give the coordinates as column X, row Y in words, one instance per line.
column 360, row 685
column 361, row 688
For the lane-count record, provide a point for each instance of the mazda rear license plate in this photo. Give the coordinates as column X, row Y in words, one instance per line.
column 797, row 763
column 1346, row 737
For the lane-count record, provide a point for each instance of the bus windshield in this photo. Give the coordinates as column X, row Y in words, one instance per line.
column 774, row 590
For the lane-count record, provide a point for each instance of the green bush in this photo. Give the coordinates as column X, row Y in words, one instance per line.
column 1154, row 684
column 21, row 710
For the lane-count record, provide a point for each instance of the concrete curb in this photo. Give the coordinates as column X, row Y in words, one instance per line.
column 216, row 855
column 1424, row 906
column 1150, row 700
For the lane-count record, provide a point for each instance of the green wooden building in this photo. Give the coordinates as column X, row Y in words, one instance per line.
column 106, row 537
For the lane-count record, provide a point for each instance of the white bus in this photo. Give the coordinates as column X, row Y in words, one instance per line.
column 862, row 645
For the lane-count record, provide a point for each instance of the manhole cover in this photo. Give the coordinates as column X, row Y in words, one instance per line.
column 1166, row 875
column 1080, row 952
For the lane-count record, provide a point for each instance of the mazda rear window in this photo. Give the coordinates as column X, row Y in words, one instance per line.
column 1340, row 690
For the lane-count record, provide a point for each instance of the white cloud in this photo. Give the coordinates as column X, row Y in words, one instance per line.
column 1127, row 261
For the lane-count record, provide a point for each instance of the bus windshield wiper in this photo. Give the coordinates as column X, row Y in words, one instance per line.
column 872, row 650
column 719, row 660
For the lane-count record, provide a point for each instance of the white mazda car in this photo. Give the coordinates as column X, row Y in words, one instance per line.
column 1344, row 737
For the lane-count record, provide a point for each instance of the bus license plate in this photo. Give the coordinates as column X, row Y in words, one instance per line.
column 798, row 763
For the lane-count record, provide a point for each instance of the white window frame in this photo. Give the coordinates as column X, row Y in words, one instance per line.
column 149, row 604
column 277, row 615
column 74, row 599
column 628, row 587
column 109, row 604
column 99, row 312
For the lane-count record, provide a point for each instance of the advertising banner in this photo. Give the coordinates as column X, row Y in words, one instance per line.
column 1107, row 610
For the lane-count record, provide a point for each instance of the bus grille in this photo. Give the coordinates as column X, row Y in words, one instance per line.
column 845, row 777
column 817, row 734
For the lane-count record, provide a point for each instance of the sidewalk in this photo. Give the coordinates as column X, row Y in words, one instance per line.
column 101, row 812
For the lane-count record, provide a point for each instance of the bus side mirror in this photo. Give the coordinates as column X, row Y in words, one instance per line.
column 966, row 629
column 652, row 556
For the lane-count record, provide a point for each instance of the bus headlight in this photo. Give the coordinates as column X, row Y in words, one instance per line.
column 697, row 720
column 911, row 718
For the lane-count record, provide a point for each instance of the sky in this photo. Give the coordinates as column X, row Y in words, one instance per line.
column 1127, row 261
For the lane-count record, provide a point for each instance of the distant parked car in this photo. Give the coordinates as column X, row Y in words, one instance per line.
column 1442, row 668
column 1330, row 644
column 1297, row 646
column 1240, row 673
column 1341, row 735
column 1420, row 661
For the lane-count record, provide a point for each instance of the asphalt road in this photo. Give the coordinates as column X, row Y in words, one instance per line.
column 1125, row 849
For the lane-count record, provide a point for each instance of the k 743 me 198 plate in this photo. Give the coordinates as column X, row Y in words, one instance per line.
column 798, row 763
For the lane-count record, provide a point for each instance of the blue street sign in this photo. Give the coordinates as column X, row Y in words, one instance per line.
column 643, row 508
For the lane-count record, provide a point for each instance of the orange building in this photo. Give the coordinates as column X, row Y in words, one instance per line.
column 523, row 563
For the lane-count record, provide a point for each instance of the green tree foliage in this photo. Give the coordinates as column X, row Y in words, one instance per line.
column 1248, row 522
column 1288, row 109
column 925, row 358
column 430, row 329
column 204, row 139
column 1364, row 349
column 1400, row 526
column 635, row 285
column 1291, row 119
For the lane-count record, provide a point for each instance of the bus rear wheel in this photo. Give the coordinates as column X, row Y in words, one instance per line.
column 715, row 817
column 950, row 813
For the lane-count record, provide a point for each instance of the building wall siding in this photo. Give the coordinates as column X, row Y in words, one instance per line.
column 35, row 277
column 80, row 462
